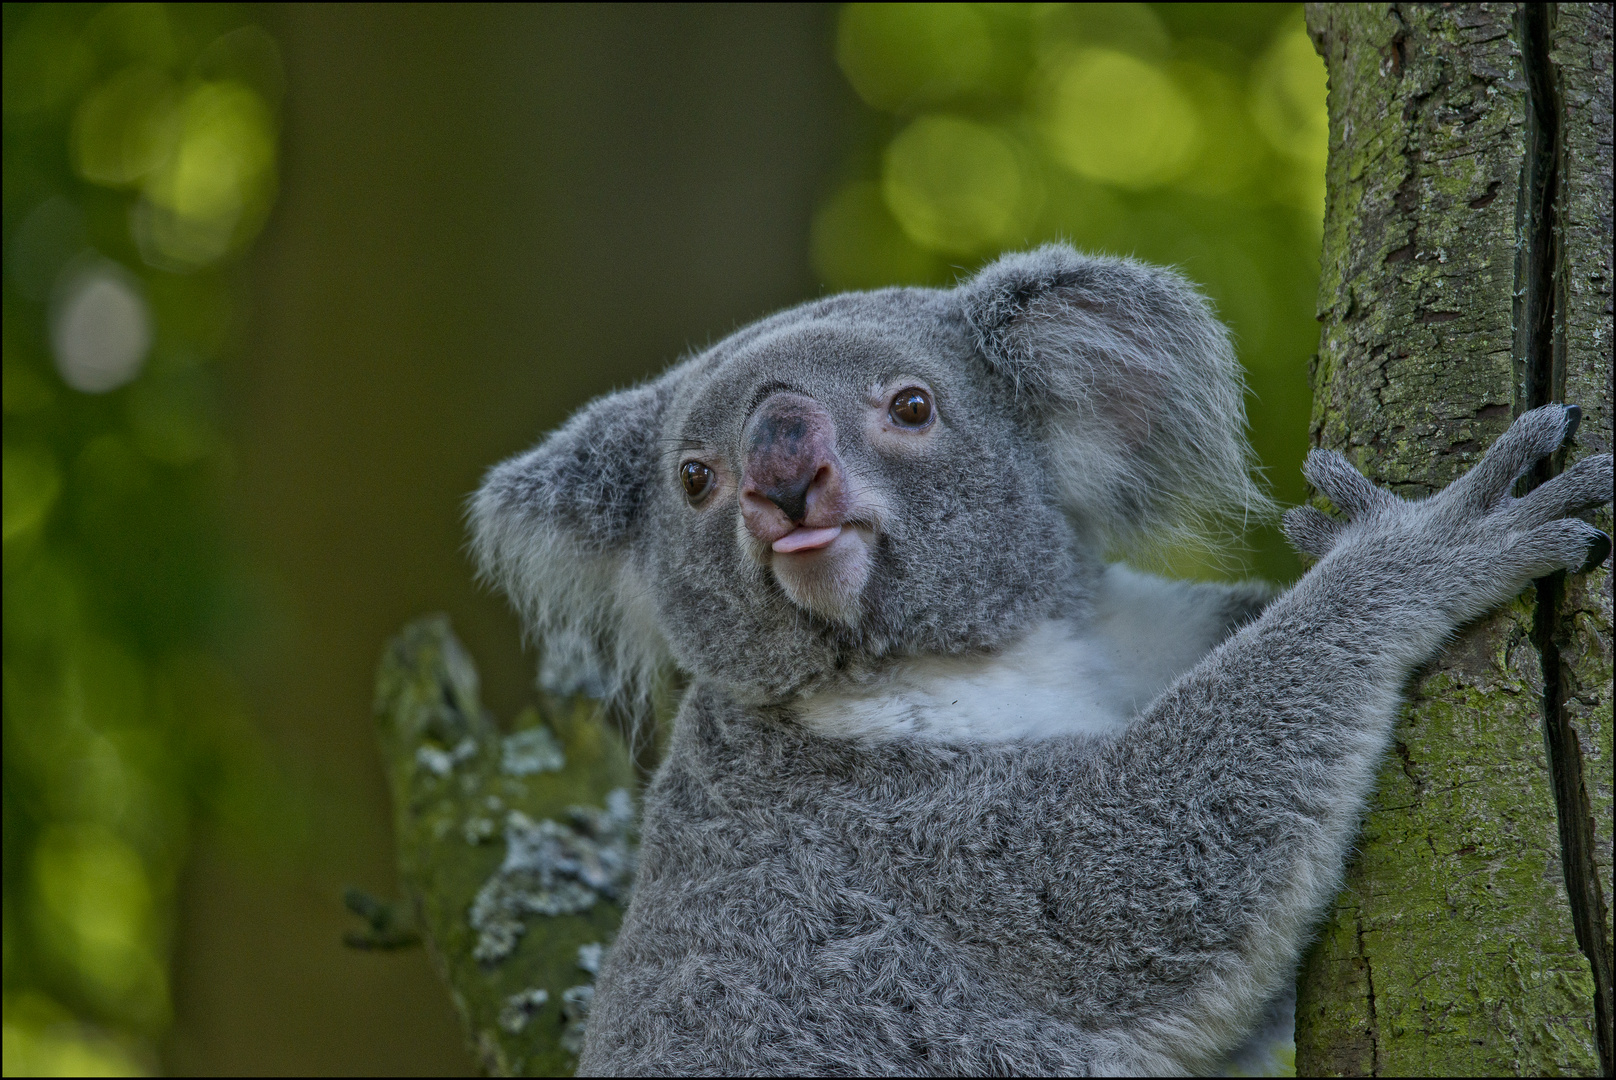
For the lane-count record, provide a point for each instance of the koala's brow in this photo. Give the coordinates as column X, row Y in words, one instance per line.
column 764, row 392
column 684, row 445
column 690, row 443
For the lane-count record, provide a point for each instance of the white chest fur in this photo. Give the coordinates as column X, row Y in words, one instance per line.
column 1063, row 678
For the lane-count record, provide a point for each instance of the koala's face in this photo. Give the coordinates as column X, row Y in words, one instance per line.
column 839, row 488
column 897, row 472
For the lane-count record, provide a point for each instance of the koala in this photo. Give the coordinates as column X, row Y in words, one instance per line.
column 946, row 792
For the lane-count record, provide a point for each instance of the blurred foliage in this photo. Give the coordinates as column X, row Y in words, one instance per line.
column 139, row 162
column 140, row 146
column 1187, row 134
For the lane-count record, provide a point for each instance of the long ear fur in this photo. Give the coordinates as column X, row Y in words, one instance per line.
column 1134, row 390
column 555, row 529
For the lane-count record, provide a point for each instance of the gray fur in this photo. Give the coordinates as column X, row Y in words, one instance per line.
column 1134, row 390
column 905, row 902
column 554, row 528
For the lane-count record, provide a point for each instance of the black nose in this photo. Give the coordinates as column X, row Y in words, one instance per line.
column 791, row 496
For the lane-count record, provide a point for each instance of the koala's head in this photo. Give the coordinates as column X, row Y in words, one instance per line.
column 873, row 474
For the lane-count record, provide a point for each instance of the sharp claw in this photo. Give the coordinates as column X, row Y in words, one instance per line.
column 1573, row 421
column 1598, row 552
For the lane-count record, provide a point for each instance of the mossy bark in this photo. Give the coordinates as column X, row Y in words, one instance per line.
column 1466, row 278
column 513, row 848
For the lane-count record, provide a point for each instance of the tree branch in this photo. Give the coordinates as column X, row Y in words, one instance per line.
column 514, row 850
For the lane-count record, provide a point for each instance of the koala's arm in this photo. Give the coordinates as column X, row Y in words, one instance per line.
column 1199, row 848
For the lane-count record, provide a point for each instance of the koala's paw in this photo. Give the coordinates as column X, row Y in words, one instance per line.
column 1473, row 529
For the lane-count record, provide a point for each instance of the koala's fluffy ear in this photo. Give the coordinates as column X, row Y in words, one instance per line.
column 555, row 528
column 1131, row 384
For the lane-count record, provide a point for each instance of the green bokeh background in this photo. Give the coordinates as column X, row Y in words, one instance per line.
column 357, row 254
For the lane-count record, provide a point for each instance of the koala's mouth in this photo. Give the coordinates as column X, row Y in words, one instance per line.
column 825, row 569
column 803, row 538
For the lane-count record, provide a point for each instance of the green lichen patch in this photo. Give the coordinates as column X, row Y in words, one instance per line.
column 531, row 749
column 553, row 868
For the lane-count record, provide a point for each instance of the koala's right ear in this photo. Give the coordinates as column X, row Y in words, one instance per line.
column 556, row 528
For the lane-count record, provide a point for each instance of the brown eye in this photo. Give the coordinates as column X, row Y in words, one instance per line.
column 911, row 408
column 697, row 479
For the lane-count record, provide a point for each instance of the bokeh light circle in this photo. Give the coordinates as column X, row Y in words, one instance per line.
column 956, row 185
column 101, row 329
column 904, row 56
column 1117, row 119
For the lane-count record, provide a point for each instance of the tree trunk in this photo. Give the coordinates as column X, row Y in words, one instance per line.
column 1466, row 278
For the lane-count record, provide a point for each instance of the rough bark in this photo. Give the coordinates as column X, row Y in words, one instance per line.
column 1466, row 278
column 514, row 851
column 1580, row 48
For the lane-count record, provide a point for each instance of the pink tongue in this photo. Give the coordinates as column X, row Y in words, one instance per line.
column 801, row 539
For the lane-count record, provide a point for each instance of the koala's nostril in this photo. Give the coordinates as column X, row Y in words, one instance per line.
column 792, row 495
column 792, row 499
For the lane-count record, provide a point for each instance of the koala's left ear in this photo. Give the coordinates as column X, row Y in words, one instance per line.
column 555, row 528
column 1132, row 386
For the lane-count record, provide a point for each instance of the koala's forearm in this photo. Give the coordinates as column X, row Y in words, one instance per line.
column 1313, row 683
column 1247, row 776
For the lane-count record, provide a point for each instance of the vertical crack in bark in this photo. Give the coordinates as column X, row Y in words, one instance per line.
column 1369, row 987
column 1540, row 378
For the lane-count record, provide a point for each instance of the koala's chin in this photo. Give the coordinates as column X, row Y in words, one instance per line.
column 828, row 581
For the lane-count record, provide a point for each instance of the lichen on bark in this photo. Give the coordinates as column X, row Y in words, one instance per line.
column 1454, row 948
column 515, row 850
